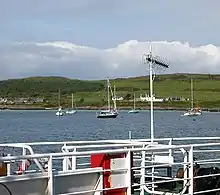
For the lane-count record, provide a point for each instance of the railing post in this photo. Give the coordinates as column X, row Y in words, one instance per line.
column 74, row 161
column 191, row 171
column 170, row 150
column 23, row 161
column 129, row 176
column 50, row 186
column 142, row 180
column 185, row 169
column 129, row 134
column 65, row 166
column 8, row 167
column 152, row 172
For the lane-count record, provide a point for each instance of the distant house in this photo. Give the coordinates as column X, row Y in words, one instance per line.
column 117, row 98
column 21, row 100
column 147, row 98
column 175, row 98
column 3, row 100
column 38, row 100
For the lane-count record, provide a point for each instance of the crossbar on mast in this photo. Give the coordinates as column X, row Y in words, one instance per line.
column 153, row 61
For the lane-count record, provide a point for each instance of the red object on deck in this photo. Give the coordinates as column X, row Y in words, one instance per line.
column 104, row 161
column 20, row 168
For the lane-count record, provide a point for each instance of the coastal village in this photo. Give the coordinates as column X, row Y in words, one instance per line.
column 32, row 101
column 19, row 101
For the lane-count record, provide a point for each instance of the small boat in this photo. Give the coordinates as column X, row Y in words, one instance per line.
column 60, row 111
column 71, row 111
column 107, row 114
column 193, row 111
column 133, row 111
column 110, row 113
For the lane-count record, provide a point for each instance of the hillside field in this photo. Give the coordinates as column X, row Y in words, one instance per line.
column 93, row 93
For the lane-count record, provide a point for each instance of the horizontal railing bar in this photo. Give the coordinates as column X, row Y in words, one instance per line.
column 115, row 141
column 204, row 176
column 97, row 190
column 104, row 146
column 205, row 191
column 105, row 151
column 73, row 142
column 158, row 182
column 212, row 162
column 158, row 177
column 202, row 151
column 206, row 160
column 83, row 164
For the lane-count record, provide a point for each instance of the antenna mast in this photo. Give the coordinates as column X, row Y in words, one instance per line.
column 153, row 61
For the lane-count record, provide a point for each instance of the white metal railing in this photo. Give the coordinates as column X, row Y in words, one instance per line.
column 114, row 141
column 145, row 167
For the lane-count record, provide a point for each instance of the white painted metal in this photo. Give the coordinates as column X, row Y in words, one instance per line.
column 151, row 97
column 50, row 186
column 129, row 175
column 143, row 162
column 118, row 179
column 142, row 180
column 191, row 171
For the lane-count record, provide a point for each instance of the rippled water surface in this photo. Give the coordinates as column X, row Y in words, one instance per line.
column 28, row 126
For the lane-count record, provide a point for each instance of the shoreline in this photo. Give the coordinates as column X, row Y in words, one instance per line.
column 98, row 108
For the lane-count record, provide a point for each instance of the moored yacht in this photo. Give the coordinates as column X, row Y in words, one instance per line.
column 109, row 113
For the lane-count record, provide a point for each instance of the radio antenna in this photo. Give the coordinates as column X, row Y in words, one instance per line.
column 154, row 62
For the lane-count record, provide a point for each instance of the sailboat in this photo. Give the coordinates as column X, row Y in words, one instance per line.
column 60, row 111
column 71, row 111
column 110, row 113
column 193, row 111
column 133, row 111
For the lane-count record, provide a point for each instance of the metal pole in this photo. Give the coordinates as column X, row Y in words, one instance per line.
column 192, row 94
column 151, row 100
column 129, row 134
column 108, row 95
column 72, row 100
column 153, row 61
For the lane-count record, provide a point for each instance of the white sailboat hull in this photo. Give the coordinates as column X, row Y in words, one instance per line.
column 70, row 111
column 58, row 113
column 133, row 111
column 110, row 113
column 107, row 114
column 192, row 113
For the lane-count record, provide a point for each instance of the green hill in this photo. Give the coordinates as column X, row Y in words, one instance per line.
column 39, row 86
column 92, row 93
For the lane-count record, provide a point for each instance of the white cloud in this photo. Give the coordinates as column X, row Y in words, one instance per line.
column 70, row 60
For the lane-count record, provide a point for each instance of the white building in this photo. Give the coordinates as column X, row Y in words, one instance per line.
column 147, row 98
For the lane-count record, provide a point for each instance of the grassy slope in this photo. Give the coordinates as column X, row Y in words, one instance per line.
column 206, row 88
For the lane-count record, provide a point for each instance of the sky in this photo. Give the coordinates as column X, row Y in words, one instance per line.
column 95, row 39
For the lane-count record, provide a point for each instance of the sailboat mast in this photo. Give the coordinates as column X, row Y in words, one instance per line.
column 59, row 98
column 72, row 100
column 114, row 97
column 192, row 93
column 134, row 101
column 108, row 94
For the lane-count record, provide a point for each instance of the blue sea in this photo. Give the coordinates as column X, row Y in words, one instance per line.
column 32, row 126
